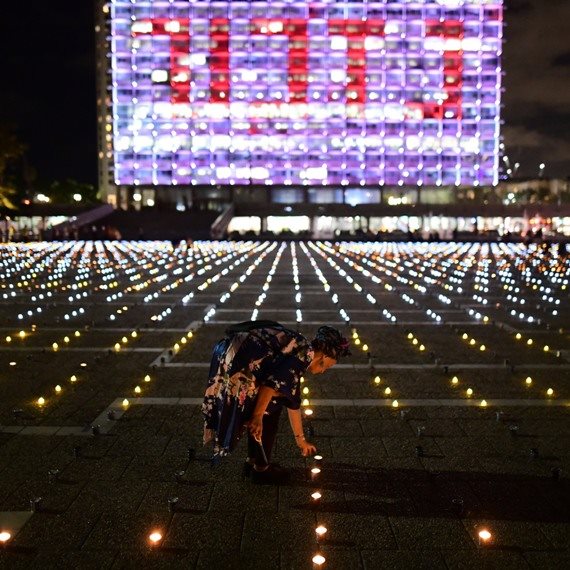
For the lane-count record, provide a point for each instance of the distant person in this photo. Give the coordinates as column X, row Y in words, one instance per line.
column 256, row 371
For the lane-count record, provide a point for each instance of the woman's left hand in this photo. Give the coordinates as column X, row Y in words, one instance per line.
column 306, row 448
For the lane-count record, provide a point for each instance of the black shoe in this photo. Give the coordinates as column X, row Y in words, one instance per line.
column 273, row 475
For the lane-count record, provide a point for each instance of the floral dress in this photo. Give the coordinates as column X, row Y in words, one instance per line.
column 241, row 364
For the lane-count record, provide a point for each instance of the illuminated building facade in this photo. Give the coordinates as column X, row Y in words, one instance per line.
column 323, row 94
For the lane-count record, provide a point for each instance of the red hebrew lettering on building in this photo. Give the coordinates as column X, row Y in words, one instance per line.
column 296, row 30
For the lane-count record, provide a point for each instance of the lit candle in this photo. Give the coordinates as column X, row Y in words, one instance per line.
column 125, row 403
column 316, row 496
column 320, row 531
column 155, row 538
column 395, row 404
column 455, row 380
column 41, row 401
column 55, row 346
column 528, row 381
column 134, row 334
column 550, row 392
column 319, row 560
column 387, row 391
column 308, row 412
column 22, row 334
column 482, row 348
column 147, row 378
column 8, row 338
column 483, row 403
column 138, row 390
column 364, row 347
column 66, row 339
column 117, row 347
column 5, row 536
column 469, row 392
column 484, row 537
column 529, row 341
column 377, row 380
column 58, row 389
column 315, row 472
column 77, row 333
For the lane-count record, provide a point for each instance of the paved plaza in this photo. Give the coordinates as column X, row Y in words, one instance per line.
column 450, row 418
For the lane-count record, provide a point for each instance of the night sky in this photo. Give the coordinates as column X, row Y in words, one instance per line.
column 49, row 85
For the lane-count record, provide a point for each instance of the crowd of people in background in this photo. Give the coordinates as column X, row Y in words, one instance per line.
column 11, row 232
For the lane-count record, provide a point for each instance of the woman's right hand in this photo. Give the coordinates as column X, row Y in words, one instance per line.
column 256, row 427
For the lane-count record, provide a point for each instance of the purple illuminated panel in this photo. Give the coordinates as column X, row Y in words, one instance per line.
column 329, row 92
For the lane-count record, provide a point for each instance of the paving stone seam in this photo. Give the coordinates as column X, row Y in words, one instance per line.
column 395, row 366
column 105, row 425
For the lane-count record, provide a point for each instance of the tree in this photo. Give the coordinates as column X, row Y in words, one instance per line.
column 11, row 150
column 66, row 192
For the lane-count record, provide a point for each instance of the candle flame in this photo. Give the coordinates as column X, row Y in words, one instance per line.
column 319, row 559
column 484, row 535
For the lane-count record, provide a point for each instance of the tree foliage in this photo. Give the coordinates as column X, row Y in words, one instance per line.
column 11, row 150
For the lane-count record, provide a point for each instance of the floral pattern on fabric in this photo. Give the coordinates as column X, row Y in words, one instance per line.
column 241, row 364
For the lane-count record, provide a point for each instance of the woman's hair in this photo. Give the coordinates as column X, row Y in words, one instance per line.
column 330, row 342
